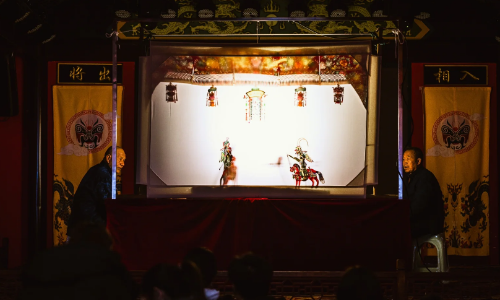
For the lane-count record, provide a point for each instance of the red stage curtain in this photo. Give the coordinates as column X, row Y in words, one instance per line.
column 291, row 234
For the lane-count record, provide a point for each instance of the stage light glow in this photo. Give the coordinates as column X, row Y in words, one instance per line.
column 300, row 96
column 338, row 94
column 212, row 99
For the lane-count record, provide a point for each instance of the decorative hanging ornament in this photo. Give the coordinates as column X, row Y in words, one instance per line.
column 255, row 105
column 300, row 96
column 338, row 94
column 212, row 99
column 171, row 93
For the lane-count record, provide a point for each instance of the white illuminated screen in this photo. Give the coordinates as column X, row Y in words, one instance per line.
column 187, row 136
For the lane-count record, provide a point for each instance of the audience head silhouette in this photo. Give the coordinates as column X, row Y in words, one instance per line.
column 359, row 283
column 83, row 269
column 251, row 276
column 165, row 281
column 205, row 260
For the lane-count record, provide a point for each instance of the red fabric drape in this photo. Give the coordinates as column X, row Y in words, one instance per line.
column 291, row 234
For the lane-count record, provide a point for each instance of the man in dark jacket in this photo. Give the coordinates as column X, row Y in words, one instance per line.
column 95, row 187
column 426, row 200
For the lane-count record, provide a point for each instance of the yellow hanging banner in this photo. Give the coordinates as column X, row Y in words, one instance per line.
column 456, row 121
column 82, row 133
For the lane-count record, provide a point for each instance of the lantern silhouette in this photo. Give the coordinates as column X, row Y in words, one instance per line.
column 212, row 99
column 338, row 94
column 171, row 93
column 255, row 105
column 300, row 97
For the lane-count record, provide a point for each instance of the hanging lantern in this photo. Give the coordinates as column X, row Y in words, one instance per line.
column 255, row 105
column 338, row 94
column 171, row 93
column 212, row 99
column 300, row 97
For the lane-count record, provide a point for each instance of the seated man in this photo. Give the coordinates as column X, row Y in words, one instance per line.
column 426, row 200
column 95, row 187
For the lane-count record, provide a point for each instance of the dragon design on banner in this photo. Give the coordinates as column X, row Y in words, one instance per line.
column 225, row 10
column 66, row 191
column 170, row 28
column 272, row 9
column 329, row 27
column 212, row 27
column 370, row 26
column 473, row 206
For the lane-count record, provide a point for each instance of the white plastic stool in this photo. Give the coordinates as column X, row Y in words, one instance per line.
column 438, row 240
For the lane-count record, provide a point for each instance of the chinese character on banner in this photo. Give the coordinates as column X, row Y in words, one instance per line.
column 103, row 75
column 442, row 75
column 76, row 74
column 467, row 73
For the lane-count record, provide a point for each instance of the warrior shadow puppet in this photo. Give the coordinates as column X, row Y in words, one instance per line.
column 227, row 159
column 300, row 171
